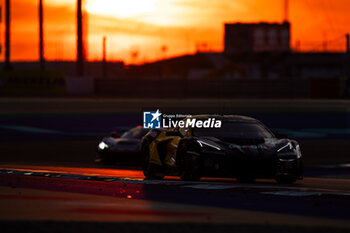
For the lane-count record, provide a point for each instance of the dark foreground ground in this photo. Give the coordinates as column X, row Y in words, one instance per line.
column 89, row 227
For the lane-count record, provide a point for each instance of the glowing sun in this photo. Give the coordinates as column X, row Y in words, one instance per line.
column 120, row 8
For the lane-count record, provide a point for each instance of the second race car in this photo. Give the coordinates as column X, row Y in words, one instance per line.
column 127, row 148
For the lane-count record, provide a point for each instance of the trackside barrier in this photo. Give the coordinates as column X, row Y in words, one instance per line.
column 80, row 85
column 32, row 82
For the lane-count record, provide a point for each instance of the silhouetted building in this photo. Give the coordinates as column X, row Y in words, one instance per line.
column 257, row 37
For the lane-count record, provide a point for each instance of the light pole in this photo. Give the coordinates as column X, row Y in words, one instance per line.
column 80, row 45
column 8, row 65
column 41, row 36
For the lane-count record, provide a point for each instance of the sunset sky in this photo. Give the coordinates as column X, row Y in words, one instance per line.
column 145, row 26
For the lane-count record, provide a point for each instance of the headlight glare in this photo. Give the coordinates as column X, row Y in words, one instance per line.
column 102, row 146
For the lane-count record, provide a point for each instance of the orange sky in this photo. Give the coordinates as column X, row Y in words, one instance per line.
column 144, row 26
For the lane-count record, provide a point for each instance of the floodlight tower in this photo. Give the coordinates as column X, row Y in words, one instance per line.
column 80, row 41
column 286, row 11
column 8, row 65
column 41, row 36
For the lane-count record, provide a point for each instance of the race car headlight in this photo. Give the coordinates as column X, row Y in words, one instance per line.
column 286, row 148
column 298, row 151
column 203, row 144
column 102, row 146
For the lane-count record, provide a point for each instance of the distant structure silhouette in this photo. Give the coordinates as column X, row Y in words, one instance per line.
column 256, row 37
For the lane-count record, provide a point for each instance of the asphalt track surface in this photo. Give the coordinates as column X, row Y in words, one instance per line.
column 316, row 202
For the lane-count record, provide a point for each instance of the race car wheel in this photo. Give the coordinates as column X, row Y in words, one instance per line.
column 286, row 180
column 149, row 169
column 189, row 164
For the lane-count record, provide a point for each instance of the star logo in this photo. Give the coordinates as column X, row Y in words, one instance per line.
column 151, row 120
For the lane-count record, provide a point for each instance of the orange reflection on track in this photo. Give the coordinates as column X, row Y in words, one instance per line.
column 120, row 173
column 79, row 170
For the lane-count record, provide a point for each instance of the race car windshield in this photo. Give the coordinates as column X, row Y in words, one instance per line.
column 234, row 129
column 134, row 133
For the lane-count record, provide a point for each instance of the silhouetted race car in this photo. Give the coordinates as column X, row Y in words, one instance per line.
column 126, row 148
column 242, row 148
